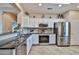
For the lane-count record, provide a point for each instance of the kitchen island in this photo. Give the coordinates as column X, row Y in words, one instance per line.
column 13, row 44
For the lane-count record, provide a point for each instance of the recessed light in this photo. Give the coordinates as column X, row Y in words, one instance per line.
column 39, row 4
column 60, row 5
column 77, row 6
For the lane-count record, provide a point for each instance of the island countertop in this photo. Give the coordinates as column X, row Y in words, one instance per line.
column 10, row 37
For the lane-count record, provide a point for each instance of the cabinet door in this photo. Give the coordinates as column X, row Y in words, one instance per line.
column 25, row 21
column 36, row 22
column 51, row 24
column 35, row 39
column 52, row 39
column 29, row 44
column 31, row 22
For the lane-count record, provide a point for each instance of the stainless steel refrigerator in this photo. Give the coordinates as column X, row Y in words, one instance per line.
column 63, row 33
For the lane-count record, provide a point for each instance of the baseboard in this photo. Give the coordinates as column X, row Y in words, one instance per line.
column 74, row 45
column 57, row 45
column 63, row 45
column 52, row 44
column 35, row 44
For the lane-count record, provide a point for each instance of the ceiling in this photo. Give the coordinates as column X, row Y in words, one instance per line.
column 7, row 7
column 34, row 8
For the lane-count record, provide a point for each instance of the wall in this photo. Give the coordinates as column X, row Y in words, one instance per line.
column 1, row 23
column 19, row 17
column 8, row 18
column 73, row 17
column 22, row 19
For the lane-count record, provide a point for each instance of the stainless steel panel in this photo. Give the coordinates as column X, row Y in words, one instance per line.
column 67, row 29
column 63, row 41
column 60, row 26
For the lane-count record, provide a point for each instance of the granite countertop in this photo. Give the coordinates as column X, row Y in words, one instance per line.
column 7, row 33
column 5, row 42
column 37, row 27
column 25, row 36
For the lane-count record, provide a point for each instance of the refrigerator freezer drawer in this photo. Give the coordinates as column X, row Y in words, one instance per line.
column 63, row 41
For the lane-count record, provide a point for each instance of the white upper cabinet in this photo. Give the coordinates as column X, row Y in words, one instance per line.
column 25, row 21
column 36, row 24
column 51, row 23
column 31, row 22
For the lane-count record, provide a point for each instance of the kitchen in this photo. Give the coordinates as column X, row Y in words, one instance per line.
column 39, row 20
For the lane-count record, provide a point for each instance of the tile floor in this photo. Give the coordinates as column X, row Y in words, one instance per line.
column 54, row 50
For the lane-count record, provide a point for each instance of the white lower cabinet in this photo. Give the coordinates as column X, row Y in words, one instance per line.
column 29, row 44
column 35, row 38
column 52, row 39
